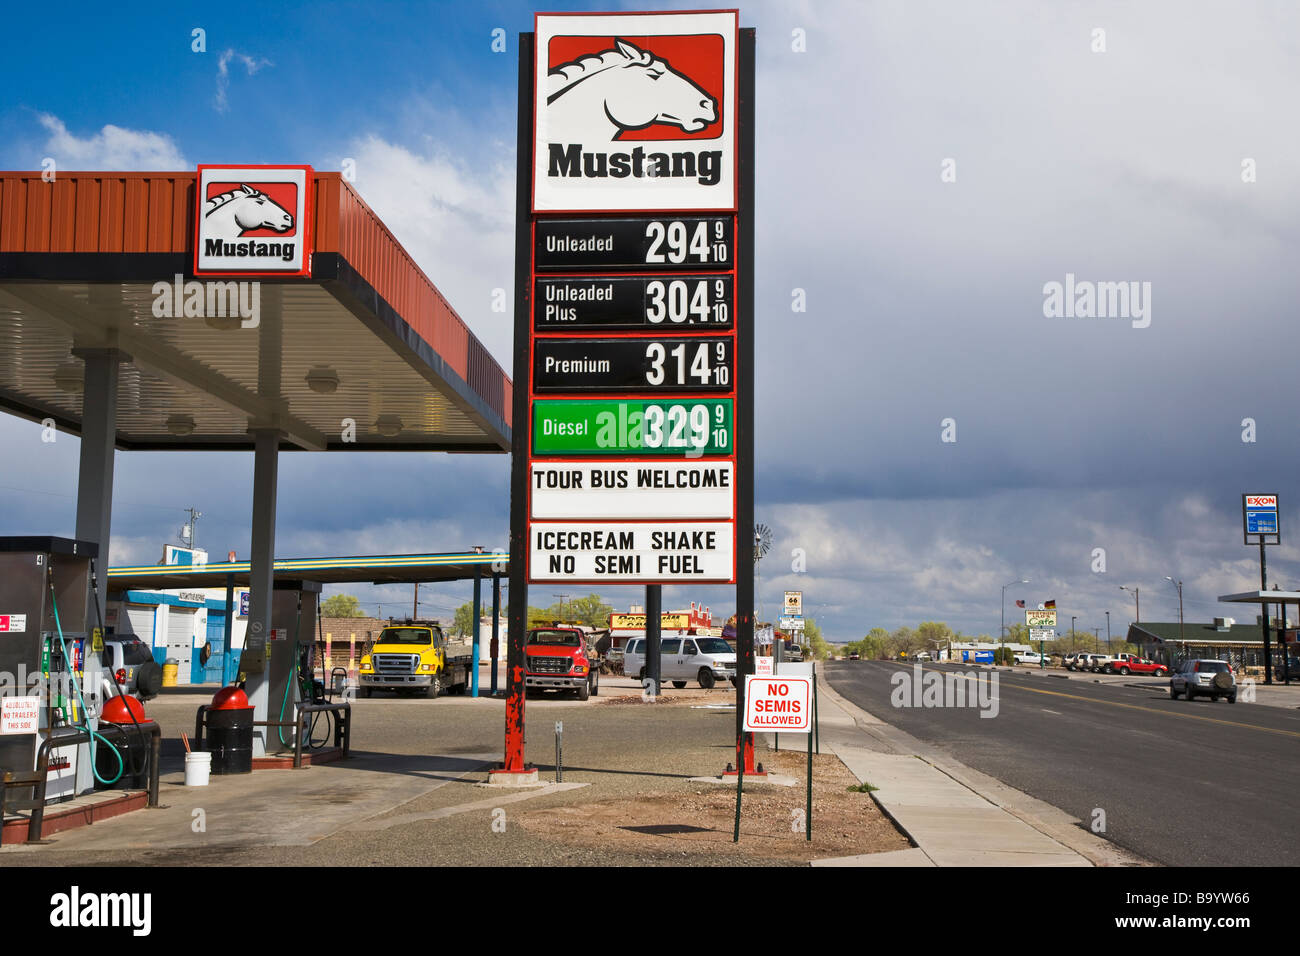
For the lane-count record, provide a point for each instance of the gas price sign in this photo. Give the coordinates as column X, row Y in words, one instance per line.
column 633, row 310
column 688, row 242
column 1259, row 517
column 632, row 365
column 632, row 303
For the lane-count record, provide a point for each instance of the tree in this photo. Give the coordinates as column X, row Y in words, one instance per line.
column 341, row 605
column 812, row 638
column 1018, row 634
column 589, row 610
column 463, row 622
column 904, row 640
column 934, row 636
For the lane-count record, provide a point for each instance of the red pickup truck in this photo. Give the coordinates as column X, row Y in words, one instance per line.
column 1132, row 664
column 557, row 658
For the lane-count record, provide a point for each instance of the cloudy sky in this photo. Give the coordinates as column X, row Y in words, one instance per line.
column 924, row 171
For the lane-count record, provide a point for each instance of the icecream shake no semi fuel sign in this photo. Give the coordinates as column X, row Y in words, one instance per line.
column 633, row 325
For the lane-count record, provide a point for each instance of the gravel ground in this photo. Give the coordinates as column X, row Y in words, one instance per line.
column 629, row 754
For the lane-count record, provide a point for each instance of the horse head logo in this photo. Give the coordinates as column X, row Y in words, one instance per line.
column 232, row 214
column 628, row 88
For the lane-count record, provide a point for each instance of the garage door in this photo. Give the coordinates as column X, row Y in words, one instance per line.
column 139, row 621
column 180, row 640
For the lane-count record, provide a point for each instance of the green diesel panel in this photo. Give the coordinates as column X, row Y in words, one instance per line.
column 686, row 427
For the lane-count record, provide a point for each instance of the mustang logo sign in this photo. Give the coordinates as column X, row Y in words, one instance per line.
column 230, row 215
column 629, row 87
column 252, row 220
column 661, row 87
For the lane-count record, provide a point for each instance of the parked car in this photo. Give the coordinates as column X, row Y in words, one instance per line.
column 1204, row 678
column 129, row 662
column 1086, row 662
column 705, row 659
column 1132, row 664
column 1030, row 657
column 855, row 656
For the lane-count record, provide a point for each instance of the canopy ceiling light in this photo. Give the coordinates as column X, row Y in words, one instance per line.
column 224, row 323
column 323, row 379
column 390, row 426
column 69, row 377
column 181, row 424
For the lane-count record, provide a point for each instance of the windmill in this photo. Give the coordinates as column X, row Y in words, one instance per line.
column 762, row 543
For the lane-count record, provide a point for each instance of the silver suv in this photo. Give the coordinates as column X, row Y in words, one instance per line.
column 1085, row 662
column 130, row 663
column 1204, row 678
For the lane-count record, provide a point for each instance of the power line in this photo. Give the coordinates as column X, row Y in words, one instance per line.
column 60, row 494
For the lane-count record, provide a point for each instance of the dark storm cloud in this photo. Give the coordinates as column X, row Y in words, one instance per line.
column 924, row 302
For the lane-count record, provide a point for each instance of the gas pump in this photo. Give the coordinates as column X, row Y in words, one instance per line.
column 53, row 657
column 274, row 675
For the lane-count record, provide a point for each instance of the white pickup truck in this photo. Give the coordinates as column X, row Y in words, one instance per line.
column 1030, row 657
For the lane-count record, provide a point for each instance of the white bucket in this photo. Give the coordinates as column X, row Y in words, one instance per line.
column 198, row 766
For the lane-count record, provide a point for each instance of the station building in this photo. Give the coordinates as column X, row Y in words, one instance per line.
column 1242, row 645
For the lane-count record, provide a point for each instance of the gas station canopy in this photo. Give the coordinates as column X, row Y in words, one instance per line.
column 1262, row 597
column 365, row 337
column 378, row 569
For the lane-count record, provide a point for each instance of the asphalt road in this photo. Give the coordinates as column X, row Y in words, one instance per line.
column 1184, row 784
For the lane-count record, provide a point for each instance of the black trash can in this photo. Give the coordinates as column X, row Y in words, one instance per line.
column 133, row 746
column 230, row 732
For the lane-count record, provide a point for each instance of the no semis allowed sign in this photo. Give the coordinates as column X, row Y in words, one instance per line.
column 778, row 704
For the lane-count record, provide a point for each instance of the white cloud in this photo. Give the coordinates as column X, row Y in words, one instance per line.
column 456, row 219
column 112, row 148
column 251, row 64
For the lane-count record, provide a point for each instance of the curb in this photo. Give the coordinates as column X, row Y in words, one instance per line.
column 1096, row 850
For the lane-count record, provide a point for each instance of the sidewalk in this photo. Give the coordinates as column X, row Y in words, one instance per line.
column 956, row 816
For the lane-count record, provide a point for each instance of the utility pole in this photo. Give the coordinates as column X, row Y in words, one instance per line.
column 1096, row 633
column 415, row 608
column 1181, row 638
column 563, row 600
column 1074, row 641
column 1002, row 634
column 1108, row 647
column 1137, row 596
column 191, row 528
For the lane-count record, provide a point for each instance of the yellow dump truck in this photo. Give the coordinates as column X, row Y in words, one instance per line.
column 415, row 658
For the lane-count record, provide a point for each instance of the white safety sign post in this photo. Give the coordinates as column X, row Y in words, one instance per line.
column 774, row 704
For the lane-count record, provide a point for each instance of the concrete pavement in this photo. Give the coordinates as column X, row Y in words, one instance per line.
column 954, row 815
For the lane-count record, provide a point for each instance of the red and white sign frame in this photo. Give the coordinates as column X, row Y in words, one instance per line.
column 764, row 700
column 608, row 194
column 302, row 176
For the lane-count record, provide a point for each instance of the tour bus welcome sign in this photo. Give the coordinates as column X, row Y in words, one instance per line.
column 633, row 324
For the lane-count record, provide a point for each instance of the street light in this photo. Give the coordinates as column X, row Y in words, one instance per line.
column 1108, row 647
column 1179, row 585
column 1137, row 596
column 1002, row 635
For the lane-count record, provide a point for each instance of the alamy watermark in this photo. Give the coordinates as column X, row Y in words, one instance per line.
column 232, row 300
column 922, row 688
column 1084, row 299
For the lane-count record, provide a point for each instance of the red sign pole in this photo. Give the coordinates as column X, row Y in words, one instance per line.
column 517, row 627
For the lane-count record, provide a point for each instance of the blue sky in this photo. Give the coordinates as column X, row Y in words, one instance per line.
column 924, row 296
